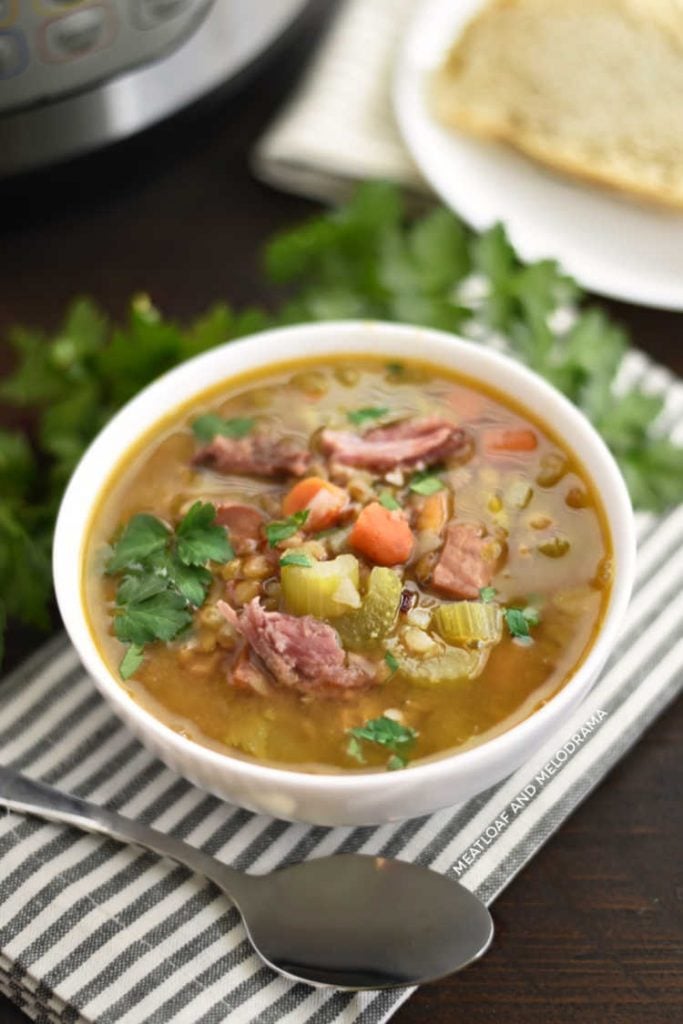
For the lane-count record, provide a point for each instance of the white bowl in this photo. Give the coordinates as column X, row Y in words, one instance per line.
column 344, row 799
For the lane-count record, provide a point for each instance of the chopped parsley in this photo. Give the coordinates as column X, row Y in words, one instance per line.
column 385, row 732
column 296, row 558
column 210, row 424
column 387, row 499
column 425, row 482
column 487, row 594
column 392, row 661
column 163, row 577
column 282, row 529
column 359, row 417
column 520, row 619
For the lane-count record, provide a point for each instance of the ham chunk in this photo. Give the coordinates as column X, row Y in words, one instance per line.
column 301, row 652
column 258, row 454
column 402, row 445
column 468, row 561
column 244, row 525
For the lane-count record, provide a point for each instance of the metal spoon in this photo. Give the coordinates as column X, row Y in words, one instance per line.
column 350, row 921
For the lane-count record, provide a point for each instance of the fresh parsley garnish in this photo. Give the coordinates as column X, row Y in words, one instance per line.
column 296, row 558
column 487, row 594
column 520, row 619
column 385, row 732
column 395, row 369
column 387, row 499
column 392, row 661
column 131, row 661
column 425, row 482
column 211, row 424
column 163, row 577
column 283, row 529
column 359, row 417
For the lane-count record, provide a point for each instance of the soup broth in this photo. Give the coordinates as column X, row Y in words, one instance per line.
column 414, row 564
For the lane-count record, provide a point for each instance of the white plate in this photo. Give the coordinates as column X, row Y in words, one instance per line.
column 610, row 244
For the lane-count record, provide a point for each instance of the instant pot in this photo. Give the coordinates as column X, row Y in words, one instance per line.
column 76, row 74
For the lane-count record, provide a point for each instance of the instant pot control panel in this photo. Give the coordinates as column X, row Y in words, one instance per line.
column 51, row 48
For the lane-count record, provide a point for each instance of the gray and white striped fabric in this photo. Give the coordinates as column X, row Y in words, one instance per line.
column 93, row 931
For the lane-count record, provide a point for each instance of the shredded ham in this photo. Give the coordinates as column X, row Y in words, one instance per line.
column 410, row 443
column 300, row 652
column 467, row 562
column 244, row 525
column 257, row 454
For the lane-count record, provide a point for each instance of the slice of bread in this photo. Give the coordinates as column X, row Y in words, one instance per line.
column 590, row 87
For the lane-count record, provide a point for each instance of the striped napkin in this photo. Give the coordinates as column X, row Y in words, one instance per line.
column 94, row 931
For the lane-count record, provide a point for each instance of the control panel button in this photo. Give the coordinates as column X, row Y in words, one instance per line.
column 8, row 12
column 151, row 13
column 77, row 34
column 13, row 54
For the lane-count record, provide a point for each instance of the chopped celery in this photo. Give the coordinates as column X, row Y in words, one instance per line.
column 469, row 622
column 518, row 493
column 452, row 665
column 325, row 589
column 377, row 614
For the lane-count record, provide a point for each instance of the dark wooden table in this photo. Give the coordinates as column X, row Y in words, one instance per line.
column 592, row 930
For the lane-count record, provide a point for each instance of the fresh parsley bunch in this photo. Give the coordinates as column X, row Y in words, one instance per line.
column 365, row 259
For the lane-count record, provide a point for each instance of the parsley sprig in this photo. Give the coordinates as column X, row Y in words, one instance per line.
column 210, row 425
column 365, row 259
column 163, row 577
column 385, row 732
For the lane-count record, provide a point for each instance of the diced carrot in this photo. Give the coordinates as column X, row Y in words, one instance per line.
column 324, row 501
column 382, row 535
column 433, row 512
column 500, row 440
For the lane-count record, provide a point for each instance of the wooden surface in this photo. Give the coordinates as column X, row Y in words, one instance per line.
column 592, row 930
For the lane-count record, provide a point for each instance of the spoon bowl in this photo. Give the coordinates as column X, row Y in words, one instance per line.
column 348, row 921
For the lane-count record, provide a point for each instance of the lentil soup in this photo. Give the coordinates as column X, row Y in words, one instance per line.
column 346, row 565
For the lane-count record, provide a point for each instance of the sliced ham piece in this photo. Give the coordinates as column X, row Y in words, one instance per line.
column 468, row 561
column 301, row 652
column 244, row 525
column 257, row 454
column 410, row 443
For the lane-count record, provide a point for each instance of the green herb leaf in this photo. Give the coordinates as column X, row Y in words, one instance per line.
column 359, row 417
column 142, row 536
column 131, row 661
column 138, row 587
column 210, row 424
column 487, row 594
column 354, row 750
column 161, row 617
column 201, row 539
column 387, row 499
column 192, row 581
column 296, row 558
column 282, row 529
column 425, row 483
column 396, row 762
column 520, row 619
column 392, row 661
column 385, row 732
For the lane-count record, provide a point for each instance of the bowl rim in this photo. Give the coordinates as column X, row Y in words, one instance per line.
column 618, row 515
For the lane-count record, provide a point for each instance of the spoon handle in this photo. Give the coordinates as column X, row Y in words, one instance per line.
column 19, row 793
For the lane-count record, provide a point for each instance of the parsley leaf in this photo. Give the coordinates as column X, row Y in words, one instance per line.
column 210, row 424
column 392, row 661
column 359, row 417
column 520, row 619
column 387, row 499
column 487, row 594
column 282, row 529
column 201, row 539
column 425, row 482
column 296, row 558
column 385, row 732
column 160, row 617
column 142, row 536
column 131, row 661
